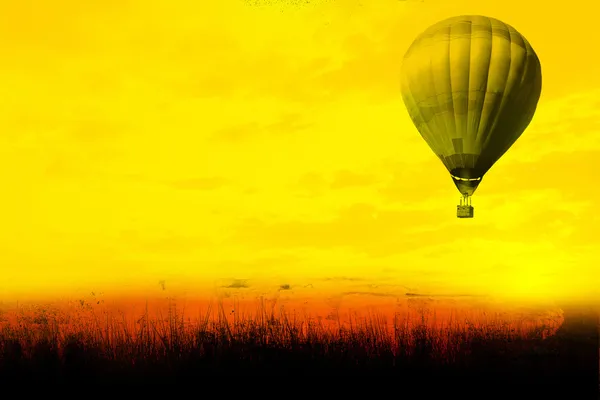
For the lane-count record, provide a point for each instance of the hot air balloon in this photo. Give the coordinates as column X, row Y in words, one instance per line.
column 471, row 85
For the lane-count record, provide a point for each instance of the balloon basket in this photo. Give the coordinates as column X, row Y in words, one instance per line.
column 465, row 209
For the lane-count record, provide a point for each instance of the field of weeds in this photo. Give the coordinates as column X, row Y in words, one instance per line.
column 46, row 345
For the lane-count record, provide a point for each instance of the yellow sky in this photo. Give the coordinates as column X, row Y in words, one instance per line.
column 202, row 142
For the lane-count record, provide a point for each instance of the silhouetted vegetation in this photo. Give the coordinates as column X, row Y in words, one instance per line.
column 47, row 346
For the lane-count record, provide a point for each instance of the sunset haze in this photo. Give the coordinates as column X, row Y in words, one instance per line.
column 195, row 148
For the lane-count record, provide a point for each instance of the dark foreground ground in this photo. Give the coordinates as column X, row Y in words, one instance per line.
column 565, row 365
column 551, row 375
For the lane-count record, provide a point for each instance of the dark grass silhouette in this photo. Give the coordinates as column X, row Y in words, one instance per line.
column 50, row 348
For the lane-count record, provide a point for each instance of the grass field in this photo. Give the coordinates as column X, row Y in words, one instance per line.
column 49, row 346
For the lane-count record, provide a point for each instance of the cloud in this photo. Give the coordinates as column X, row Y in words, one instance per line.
column 237, row 284
column 343, row 278
column 168, row 243
column 260, row 263
column 306, row 60
column 360, row 227
column 423, row 186
column 432, row 232
column 569, row 172
column 370, row 68
column 345, row 179
column 207, row 183
column 375, row 294
column 283, row 124
column 289, row 122
column 237, row 132
column 410, row 294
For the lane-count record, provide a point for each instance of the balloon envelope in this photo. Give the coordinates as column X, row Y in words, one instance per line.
column 471, row 85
